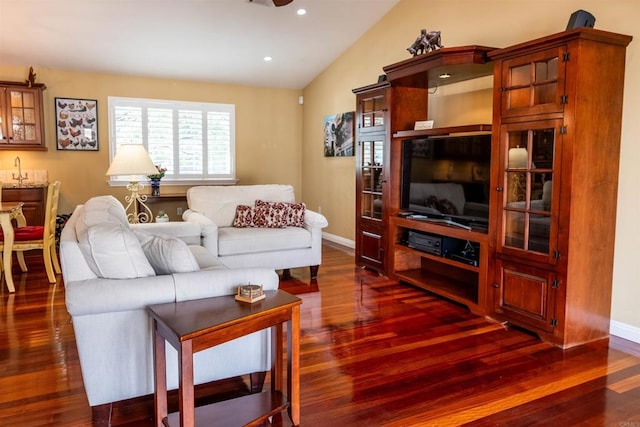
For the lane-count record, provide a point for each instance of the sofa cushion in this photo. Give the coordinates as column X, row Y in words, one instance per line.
column 113, row 251
column 244, row 216
column 100, row 210
column 205, row 260
column 270, row 214
column 167, row 254
column 293, row 212
column 218, row 203
column 296, row 214
column 234, row 241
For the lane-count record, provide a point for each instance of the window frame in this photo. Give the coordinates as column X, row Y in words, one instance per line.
column 175, row 105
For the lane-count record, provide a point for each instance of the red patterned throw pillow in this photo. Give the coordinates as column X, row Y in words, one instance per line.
column 293, row 213
column 270, row 214
column 244, row 216
column 296, row 214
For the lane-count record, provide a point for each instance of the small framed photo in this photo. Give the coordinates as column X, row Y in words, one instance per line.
column 423, row 125
column 76, row 124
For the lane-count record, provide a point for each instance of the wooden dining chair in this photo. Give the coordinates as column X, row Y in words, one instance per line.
column 40, row 237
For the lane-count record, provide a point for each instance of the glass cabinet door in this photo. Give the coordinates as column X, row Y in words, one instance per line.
column 534, row 84
column 371, row 166
column 22, row 112
column 3, row 117
column 528, row 222
column 373, row 110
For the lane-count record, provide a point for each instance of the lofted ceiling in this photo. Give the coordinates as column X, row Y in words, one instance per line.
column 202, row 40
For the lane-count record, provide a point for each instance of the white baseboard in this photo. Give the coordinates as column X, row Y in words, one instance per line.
column 339, row 240
column 623, row 330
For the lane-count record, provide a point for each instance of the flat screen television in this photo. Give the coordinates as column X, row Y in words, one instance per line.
column 446, row 179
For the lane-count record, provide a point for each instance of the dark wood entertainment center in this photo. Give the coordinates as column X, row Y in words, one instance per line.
column 545, row 260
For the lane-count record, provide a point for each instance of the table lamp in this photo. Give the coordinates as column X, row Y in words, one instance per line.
column 132, row 160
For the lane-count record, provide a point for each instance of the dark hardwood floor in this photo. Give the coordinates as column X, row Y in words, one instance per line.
column 373, row 353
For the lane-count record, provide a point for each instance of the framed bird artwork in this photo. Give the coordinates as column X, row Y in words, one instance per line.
column 76, row 124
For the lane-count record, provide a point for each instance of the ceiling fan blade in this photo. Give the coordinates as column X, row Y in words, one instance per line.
column 279, row 3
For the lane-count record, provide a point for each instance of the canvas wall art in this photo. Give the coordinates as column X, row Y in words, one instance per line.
column 338, row 135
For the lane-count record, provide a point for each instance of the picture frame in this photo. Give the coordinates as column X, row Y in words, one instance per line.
column 76, row 124
column 339, row 132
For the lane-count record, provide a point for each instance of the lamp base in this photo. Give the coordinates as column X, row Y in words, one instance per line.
column 140, row 212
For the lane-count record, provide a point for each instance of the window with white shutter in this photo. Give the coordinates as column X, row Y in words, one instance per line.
column 194, row 141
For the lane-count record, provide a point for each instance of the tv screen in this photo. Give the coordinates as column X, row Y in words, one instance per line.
column 447, row 177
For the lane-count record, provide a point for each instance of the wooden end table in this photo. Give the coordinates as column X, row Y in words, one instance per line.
column 196, row 325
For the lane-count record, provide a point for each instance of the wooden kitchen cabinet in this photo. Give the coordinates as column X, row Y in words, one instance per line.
column 34, row 199
column 21, row 116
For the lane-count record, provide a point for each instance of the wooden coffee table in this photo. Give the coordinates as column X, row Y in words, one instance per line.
column 196, row 325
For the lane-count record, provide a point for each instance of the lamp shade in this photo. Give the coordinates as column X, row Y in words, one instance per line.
column 518, row 158
column 131, row 159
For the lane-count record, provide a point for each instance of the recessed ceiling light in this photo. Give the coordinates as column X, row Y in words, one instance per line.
column 444, row 75
column 301, row 12
column 268, row 58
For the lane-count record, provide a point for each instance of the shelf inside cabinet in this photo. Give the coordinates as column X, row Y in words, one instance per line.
column 444, row 131
column 436, row 258
column 445, row 230
column 457, row 290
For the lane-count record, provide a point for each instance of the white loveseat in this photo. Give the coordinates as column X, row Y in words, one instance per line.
column 108, row 286
column 214, row 209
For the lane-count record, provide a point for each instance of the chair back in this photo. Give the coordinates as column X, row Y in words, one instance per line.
column 51, row 209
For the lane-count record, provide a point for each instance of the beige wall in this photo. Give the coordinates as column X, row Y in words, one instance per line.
column 329, row 182
column 268, row 128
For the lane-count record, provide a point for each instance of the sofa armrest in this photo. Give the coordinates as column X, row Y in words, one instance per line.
column 205, row 284
column 208, row 230
column 95, row 296
column 314, row 220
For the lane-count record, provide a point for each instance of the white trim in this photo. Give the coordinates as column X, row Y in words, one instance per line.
column 339, row 240
column 623, row 330
column 171, row 182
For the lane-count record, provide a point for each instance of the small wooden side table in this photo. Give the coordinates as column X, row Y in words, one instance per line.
column 196, row 325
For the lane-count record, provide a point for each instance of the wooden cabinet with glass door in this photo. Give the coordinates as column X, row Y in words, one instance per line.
column 557, row 138
column 381, row 109
column 21, row 116
column 371, row 155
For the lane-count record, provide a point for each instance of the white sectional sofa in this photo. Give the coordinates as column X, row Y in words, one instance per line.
column 214, row 208
column 113, row 271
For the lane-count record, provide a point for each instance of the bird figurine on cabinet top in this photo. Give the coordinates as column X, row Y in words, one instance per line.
column 32, row 78
column 426, row 42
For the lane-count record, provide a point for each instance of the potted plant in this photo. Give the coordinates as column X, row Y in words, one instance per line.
column 162, row 217
column 155, row 180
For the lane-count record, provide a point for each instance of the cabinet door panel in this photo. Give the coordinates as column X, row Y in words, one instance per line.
column 528, row 221
column 533, row 84
column 372, row 249
column 21, row 118
column 371, row 152
column 526, row 295
column 370, row 177
column 372, row 112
